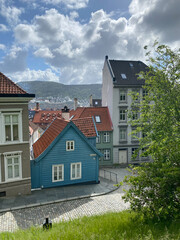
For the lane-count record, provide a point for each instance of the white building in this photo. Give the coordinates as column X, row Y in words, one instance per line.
column 119, row 79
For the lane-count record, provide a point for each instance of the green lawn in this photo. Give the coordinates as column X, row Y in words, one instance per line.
column 117, row 226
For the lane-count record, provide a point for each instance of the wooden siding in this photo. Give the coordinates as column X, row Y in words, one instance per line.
column 59, row 155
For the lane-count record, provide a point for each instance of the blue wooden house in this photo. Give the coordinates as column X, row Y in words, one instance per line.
column 66, row 154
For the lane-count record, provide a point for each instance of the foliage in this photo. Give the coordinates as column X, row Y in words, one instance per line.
column 155, row 189
column 111, row 226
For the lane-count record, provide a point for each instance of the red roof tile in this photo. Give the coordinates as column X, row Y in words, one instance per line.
column 105, row 123
column 86, row 126
column 7, row 86
column 45, row 116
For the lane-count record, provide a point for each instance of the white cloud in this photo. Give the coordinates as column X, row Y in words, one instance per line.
column 11, row 13
column 3, row 28
column 43, row 53
column 2, row 47
column 33, row 75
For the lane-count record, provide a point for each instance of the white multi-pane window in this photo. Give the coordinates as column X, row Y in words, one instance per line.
column 13, row 169
column 69, row 145
column 122, row 134
column 75, row 171
column 11, row 127
column 122, row 114
column 134, row 136
column 122, row 95
column 98, row 119
column 58, row 173
column 106, row 137
column 106, row 154
column 98, row 139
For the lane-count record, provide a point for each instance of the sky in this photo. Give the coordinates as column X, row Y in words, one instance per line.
column 66, row 41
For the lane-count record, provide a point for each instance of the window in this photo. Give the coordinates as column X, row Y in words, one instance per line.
column 134, row 136
column 123, row 134
column 106, row 154
column 131, row 64
column 97, row 118
column 11, row 124
column 123, row 75
column 98, row 139
column 69, row 145
column 145, row 93
column 106, row 137
column 75, row 171
column 13, row 166
column 136, row 94
column 135, row 151
column 122, row 114
column 122, row 97
column 58, row 173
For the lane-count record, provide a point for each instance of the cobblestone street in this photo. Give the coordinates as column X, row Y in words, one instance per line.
column 24, row 218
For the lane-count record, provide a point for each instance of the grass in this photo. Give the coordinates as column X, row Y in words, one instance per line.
column 111, row 226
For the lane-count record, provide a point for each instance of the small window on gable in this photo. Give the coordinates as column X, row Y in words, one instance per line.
column 98, row 119
column 123, row 75
column 69, row 145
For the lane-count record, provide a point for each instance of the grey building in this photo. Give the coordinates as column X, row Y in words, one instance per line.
column 119, row 79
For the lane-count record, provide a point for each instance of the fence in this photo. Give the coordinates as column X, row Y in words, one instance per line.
column 108, row 175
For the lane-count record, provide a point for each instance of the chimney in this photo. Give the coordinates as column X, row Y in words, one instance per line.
column 106, row 57
column 37, row 106
column 65, row 113
column 90, row 101
column 75, row 103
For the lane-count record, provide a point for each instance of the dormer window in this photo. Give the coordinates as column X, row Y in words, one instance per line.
column 131, row 65
column 97, row 118
column 123, row 75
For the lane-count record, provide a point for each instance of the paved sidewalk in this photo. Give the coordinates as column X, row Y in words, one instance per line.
column 55, row 195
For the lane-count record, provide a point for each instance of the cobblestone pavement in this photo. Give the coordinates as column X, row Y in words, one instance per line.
column 24, row 218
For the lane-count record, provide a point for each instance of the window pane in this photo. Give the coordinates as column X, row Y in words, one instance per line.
column 10, row 172
column 55, row 173
column 9, row 161
column 78, row 170
column 15, row 133
column 72, row 145
column 8, row 132
column 15, row 118
column 73, row 171
column 7, row 119
column 16, row 171
column 16, row 160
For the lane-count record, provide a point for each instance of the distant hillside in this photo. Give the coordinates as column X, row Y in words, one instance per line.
column 54, row 89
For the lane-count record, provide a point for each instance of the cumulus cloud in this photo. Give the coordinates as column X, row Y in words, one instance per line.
column 11, row 13
column 2, row 47
column 33, row 75
column 14, row 61
column 77, row 50
column 3, row 28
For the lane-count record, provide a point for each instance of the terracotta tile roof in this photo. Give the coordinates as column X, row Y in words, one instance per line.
column 7, row 86
column 48, row 136
column 86, row 126
column 105, row 123
column 45, row 116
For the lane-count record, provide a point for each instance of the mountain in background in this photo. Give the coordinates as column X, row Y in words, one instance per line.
column 56, row 95
column 54, row 89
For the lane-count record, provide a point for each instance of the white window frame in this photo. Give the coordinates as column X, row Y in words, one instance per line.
column 122, row 115
column 12, row 155
column 107, row 154
column 76, row 164
column 134, row 137
column 98, row 119
column 62, row 169
column 122, row 94
column 71, row 144
column 106, row 137
column 10, row 112
column 120, row 134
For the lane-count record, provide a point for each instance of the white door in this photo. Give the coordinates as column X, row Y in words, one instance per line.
column 122, row 156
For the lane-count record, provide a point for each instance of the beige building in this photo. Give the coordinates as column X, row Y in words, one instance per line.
column 15, row 177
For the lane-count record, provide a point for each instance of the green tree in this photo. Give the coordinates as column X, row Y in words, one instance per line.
column 155, row 188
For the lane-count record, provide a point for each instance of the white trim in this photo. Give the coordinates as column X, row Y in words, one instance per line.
column 13, row 154
column 58, row 180
column 13, row 143
column 71, row 141
column 76, row 171
column 10, row 110
column 15, row 180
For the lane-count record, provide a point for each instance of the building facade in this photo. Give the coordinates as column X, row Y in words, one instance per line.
column 120, row 78
column 15, row 177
